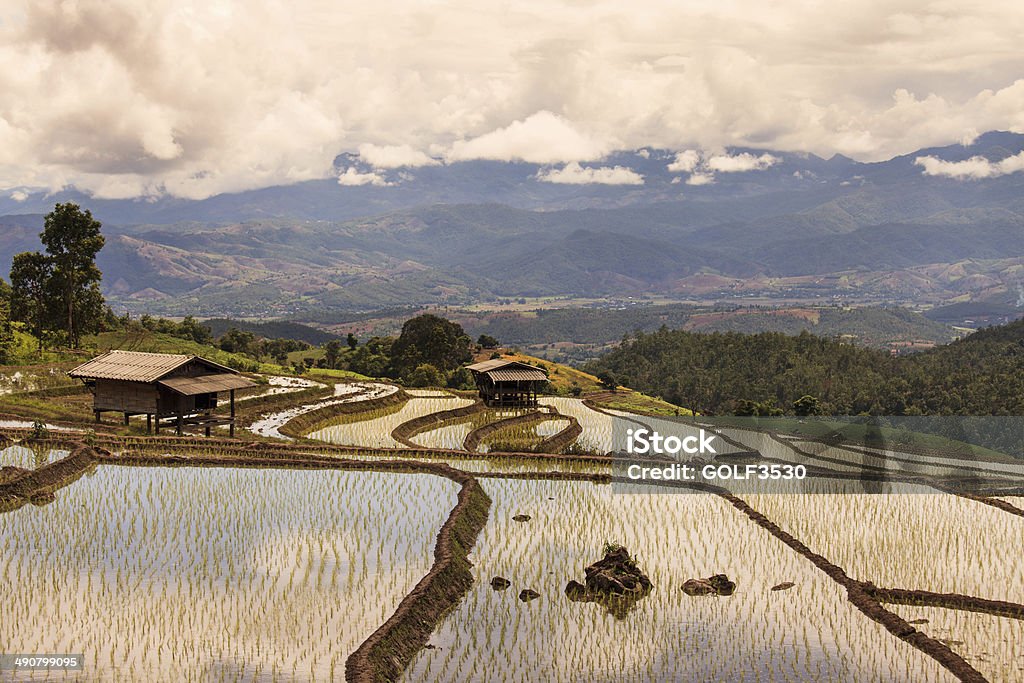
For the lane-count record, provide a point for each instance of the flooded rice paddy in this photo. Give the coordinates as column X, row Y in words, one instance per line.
column 597, row 427
column 29, row 457
column 910, row 538
column 216, row 574
column 281, row 574
column 810, row 632
column 345, row 392
column 452, row 433
column 373, row 429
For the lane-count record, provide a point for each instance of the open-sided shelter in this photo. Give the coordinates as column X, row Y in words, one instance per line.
column 508, row 383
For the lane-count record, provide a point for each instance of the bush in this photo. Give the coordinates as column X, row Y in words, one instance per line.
column 425, row 375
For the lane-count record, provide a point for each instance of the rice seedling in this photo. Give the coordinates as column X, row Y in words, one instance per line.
column 521, row 438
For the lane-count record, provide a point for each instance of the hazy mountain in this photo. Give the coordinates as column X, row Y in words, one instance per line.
column 800, row 226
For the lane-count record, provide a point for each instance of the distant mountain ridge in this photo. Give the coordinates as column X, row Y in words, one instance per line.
column 800, row 228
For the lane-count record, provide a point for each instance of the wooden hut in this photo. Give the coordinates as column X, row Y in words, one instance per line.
column 508, row 383
column 175, row 389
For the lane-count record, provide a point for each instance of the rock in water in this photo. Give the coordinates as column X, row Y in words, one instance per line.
column 500, row 583
column 522, row 518
column 718, row 584
column 722, row 584
column 698, row 587
column 528, row 594
column 574, row 589
column 784, row 586
column 615, row 581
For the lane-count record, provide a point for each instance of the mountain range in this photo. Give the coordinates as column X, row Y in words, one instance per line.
column 740, row 225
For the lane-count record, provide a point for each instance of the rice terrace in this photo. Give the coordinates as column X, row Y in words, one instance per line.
column 568, row 342
column 361, row 529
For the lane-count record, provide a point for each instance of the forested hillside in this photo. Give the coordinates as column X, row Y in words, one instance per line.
column 732, row 373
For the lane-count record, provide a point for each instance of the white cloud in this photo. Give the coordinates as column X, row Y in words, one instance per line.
column 739, row 163
column 542, row 138
column 702, row 166
column 183, row 96
column 700, row 179
column 975, row 168
column 353, row 178
column 574, row 174
column 19, row 195
column 394, row 156
column 685, row 162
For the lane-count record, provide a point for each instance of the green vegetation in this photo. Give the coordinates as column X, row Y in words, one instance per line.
column 768, row 373
column 58, row 293
column 432, row 340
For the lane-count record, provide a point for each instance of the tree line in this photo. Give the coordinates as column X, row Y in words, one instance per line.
column 772, row 373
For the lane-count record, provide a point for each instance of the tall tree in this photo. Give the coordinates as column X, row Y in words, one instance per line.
column 72, row 239
column 30, row 272
column 430, row 339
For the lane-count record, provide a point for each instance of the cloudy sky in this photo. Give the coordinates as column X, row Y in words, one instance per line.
column 128, row 98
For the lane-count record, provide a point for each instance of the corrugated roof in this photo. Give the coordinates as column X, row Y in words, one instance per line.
column 517, row 375
column 505, row 370
column 486, row 365
column 206, row 384
column 137, row 366
column 133, row 366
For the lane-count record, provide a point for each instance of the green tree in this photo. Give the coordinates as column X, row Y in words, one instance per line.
column 608, row 380
column 30, row 272
column 487, row 341
column 351, row 341
column 72, row 239
column 462, row 378
column 237, row 341
column 189, row 328
column 332, row 353
column 807, row 405
column 426, row 375
column 432, row 340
